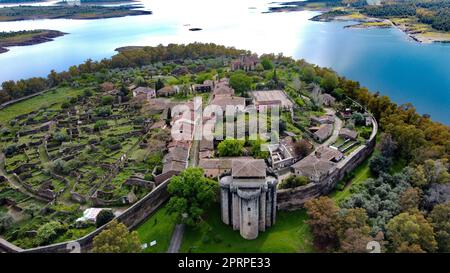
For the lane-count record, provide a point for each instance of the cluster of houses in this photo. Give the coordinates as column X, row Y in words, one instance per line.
column 248, row 188
column 319, row 164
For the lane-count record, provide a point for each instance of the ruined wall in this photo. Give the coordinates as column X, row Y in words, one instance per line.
column 132, row 217
column 291, row 199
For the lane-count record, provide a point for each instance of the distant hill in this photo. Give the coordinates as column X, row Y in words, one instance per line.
column 20, row 1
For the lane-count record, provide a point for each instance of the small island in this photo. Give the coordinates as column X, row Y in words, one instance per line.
column 19, row 13
column 27, row 37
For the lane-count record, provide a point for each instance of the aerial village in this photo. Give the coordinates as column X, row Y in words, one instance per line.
column 110, row 146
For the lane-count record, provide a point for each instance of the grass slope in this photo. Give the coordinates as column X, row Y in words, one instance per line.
column 158, row 227
column 52, row 98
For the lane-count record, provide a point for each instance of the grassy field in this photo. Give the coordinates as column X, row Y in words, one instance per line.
column 158, row 227
column 362, row 172
column 289, row 234
column 52, row 98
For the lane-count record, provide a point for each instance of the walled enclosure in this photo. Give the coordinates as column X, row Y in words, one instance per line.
column 287, row 199
column 291, row 199
column 131, row 217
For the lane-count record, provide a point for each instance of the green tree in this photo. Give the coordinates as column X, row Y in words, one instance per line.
column 159, row 84
column 116, row 239
column 267, row 64
column 107, row 100
column 411, row 231
column 100, row 124
column 240, row 82
column 387, row 145
column 323, row 214
column 410, row 199
column 294, row 181
column 329, row 82
column 440, row 220
column 230, row 147
column 104, row 217
column 353, row 231
column 256, row 150
column 379, row 164
column 191, row 193
column 308, row 74
column 49, row 232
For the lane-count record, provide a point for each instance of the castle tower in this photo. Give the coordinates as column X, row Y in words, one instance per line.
column 248, row 198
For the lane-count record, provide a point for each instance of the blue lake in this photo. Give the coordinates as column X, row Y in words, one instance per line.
column 384, row 60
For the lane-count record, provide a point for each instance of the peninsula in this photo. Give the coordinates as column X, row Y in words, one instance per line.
column 421, row 20
column 27, row 37
column 19, row 13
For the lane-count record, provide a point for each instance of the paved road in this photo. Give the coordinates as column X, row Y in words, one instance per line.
column 337, row 128
column 177, row 238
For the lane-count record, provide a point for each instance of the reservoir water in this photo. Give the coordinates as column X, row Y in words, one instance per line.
column 383, row 60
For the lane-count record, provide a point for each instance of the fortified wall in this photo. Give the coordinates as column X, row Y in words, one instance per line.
column 131, row 218
column 291, row 199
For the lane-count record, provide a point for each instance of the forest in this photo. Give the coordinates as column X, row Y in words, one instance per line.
column 434, row 13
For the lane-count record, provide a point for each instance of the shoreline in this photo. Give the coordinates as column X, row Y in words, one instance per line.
column 365, row 22
column 44, row 36
column 90, row 12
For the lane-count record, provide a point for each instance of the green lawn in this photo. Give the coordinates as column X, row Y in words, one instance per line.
column 362, row 172
column 158, row 227
column 47, row 99
column 289, row 234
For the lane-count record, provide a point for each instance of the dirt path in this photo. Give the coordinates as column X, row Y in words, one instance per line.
column 177, row 238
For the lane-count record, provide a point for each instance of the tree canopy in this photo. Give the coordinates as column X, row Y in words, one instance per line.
column 191, row 193
column 116, row 239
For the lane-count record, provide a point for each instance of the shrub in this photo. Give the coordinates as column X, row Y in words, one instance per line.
column 65, row 105
column 294, row 181
column 103, row 111
column 107, row 100
column 100, row 124
column 104, row 217
column 60, row 137
column 49, row 232
column 111, row 143
column 10, row 150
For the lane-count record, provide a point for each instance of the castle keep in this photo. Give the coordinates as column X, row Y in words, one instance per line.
column 248, row 198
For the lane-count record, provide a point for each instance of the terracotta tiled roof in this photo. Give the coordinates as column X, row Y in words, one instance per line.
column 249, row 168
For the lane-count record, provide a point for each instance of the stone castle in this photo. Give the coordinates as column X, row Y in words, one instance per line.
column 248, row 197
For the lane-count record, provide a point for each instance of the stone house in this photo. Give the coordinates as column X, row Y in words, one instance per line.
column 322, row 133
column 149, row 92
column 167, row 91
column 207, row 86
column 348, row 134
column 206, row 149
column 229, row 101
column 214, row 167
column 269, row 98
column 245, row 62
